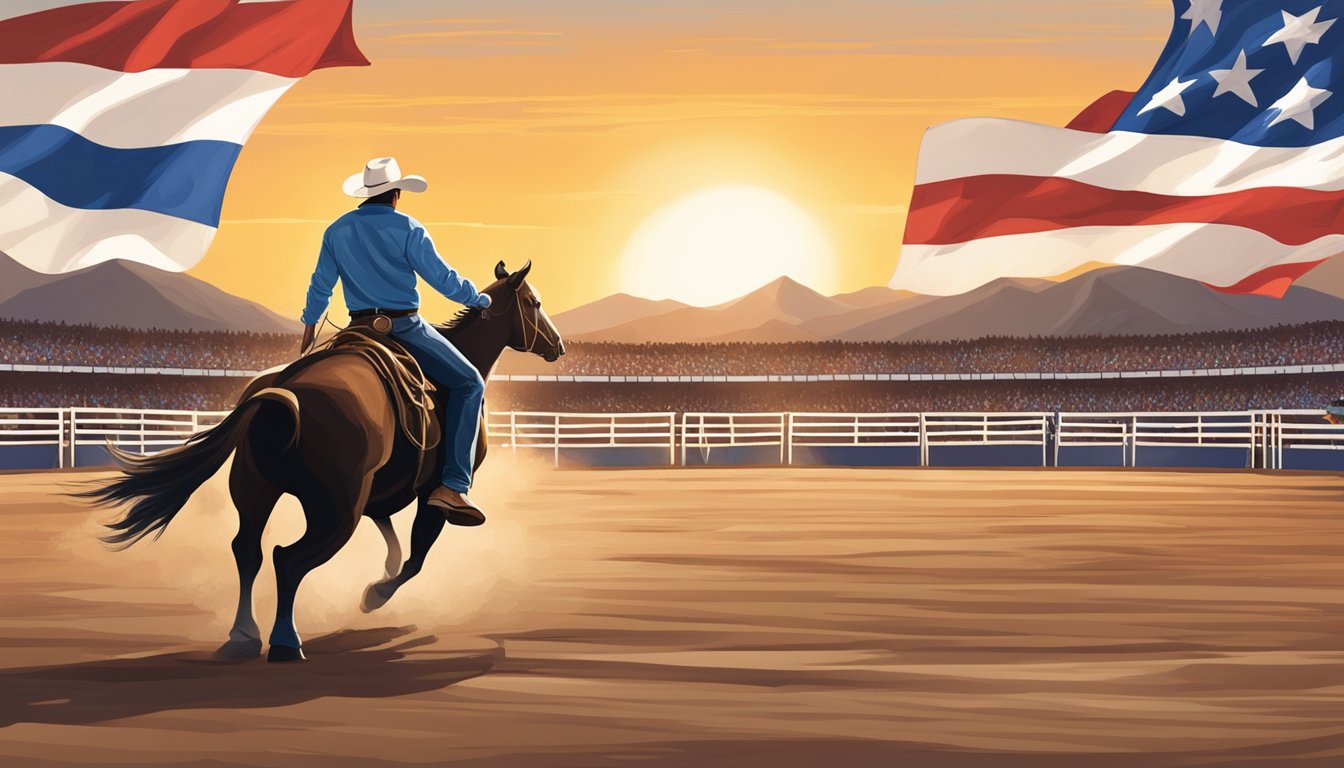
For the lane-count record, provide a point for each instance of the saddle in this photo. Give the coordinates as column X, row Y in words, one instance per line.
column 408, row 388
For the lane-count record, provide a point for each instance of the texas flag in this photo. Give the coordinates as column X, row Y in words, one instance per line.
column 1227, row 166
column 121, row 121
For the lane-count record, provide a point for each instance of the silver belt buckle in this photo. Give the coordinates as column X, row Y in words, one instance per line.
column 381, row 323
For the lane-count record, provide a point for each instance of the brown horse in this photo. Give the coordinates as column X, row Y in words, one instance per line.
column 328, row 435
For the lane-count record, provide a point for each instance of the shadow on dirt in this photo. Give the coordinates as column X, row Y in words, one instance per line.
column 360, row 664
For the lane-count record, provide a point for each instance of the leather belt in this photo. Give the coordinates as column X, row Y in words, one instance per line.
column 358, row 313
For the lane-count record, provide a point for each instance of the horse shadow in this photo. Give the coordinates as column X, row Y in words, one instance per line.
column 351, row 663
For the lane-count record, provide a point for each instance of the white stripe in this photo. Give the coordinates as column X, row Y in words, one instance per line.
column 53, row 238
column 1219, row 254
column 139, row 109
column 1166, row 165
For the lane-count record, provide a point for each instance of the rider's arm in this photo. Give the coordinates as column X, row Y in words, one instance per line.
column 320, row 287
column 319, row 294
column 441, row 277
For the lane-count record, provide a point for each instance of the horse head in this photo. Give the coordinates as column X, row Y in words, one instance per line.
column 516, row 302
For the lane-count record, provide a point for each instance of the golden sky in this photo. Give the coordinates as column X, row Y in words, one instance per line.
column 549, row 131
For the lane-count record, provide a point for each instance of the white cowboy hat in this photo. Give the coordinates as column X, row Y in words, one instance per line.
column 382, row 174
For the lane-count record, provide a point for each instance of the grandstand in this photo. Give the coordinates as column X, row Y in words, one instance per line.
column 50, row 373
column 53, row 344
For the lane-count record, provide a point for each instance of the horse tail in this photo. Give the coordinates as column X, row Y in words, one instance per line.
column 159, row 485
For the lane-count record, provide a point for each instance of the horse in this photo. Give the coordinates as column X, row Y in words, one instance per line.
column 327, row 434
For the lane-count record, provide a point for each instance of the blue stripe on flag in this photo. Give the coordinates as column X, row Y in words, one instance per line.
column 184, row 180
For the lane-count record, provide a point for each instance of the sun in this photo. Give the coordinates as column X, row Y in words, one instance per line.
column 719, row 243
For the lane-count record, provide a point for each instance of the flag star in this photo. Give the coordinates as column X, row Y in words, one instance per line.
column 1170, row 97
column 1299, row 105
column 1300, row 31
column 1236, row 80
column 1206, row 12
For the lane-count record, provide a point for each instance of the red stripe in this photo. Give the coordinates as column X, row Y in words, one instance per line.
column 1273, row 281
column 1101, row 114
column 289, row 39
column 959, row 210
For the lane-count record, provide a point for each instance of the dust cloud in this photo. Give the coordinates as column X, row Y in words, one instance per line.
column 473, row 575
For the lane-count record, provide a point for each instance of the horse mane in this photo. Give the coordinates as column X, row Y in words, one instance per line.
column 458, row 321
column 464, row 317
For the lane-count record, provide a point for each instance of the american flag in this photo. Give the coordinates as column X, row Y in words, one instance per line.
column 1227, row 166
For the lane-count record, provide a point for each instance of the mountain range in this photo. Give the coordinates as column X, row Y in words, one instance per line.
column 130, row 295
column 1108, row 301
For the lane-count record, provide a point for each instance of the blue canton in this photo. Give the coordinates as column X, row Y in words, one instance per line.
column 1249, row 71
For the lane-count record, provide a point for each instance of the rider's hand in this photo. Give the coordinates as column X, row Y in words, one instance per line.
column 309, row 333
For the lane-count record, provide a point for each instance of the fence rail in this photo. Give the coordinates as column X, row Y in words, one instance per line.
column 63, row 437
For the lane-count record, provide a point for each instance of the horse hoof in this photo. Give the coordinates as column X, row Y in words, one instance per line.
column 374, row 598
column 239, row 649
column 283, row 654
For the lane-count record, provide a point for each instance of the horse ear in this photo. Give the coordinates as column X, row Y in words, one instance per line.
column 517, row 278
column 500, row 271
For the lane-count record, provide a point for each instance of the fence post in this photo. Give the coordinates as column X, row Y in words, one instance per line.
column 685, row 418
column 60, row 437
column 923, row 441
column 1278, row 441
column 555, row 437
column 671, row 439
column 788, row 428
column 1133, row 440
column 74, row 434
column 1059, row 435
column 1045, row 443
column 513, row 431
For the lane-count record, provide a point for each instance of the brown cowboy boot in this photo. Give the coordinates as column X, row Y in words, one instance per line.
column 457, row 508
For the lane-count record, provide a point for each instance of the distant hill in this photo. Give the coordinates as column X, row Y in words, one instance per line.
column 132, row 295
column 774, row 312
column 610, row 312
column 1110, row 301
column 1327, row 278
column 16, row 278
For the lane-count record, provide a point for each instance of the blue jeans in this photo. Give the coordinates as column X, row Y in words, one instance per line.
column 466, row 392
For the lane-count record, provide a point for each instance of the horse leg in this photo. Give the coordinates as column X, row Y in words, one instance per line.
column 331, row 515
column 254, row 499
column 393, row 562
column 425, row 531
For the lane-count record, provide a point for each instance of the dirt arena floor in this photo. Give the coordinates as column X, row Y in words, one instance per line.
column 936, row 618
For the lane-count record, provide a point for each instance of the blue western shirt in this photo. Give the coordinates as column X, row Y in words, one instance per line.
column 377, row 251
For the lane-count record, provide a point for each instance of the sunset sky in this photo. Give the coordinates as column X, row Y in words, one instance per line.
column 551, row 131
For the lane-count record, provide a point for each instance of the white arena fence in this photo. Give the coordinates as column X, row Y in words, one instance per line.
column 1287, row 439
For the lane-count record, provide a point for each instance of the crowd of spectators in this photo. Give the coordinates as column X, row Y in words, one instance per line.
column 147, row 392
column 60, row 344
column 50, row 390
column 1312, row 343
column 1315, row 343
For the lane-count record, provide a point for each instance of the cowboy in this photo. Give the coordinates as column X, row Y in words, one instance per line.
column 376, row 252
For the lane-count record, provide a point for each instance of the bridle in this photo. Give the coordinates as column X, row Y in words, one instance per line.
column 532, row 330
column 530, row 345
